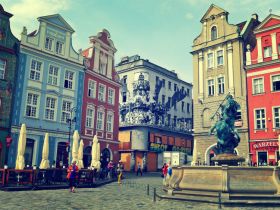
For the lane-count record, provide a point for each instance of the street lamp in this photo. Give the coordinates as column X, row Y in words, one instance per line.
column 71, row 120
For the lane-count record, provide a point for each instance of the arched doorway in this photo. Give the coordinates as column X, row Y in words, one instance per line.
column 61, row 154
column 105, row 157
column 209, row 153
column 87, row 156
column 28, row 154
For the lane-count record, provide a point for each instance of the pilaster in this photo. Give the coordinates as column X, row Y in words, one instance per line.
column 274, row 46
column 230, row 68
column 260, row 54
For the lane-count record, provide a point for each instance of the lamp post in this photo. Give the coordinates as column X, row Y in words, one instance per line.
column 70, row 121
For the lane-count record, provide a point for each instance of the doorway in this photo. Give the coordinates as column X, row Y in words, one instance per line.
column 105, row 157
column 262, row 158
column 28, row 154
column 62, row 154
column 87, row 157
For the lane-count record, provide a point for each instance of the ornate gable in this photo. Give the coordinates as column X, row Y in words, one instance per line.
column 269, row 22
column 56, row 20
column 212, row 12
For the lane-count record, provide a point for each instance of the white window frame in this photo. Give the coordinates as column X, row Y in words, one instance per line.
column 32, row 104
column 267, row 52
column 258, row 90
column 70, row 81
column 91, row 88
column 110, row 123
column 103, row 98
column 212, row 87
column 210, row 61
column 274, row 117
column 261, row 119
column 49, row 109
column 59, row 47
column 111, row 99
column 52, row 77
column 100, row 121
column 3, row 69
column 222, row 85
column 90, row 119
column 271, row 79
column 48, row 43
column 222, row 56
column 66, row 111
column 37, row 72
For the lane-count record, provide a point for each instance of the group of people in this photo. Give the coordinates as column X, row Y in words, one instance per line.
column 166, row 171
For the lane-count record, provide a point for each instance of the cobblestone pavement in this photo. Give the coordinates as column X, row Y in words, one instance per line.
column 132, row 194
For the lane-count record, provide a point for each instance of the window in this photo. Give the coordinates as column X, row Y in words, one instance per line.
column 276, row 112
column 220, row 58
column 35, row 70
column 32, row 104
column 50, row 108
column 211, row 87
column 66, row 110
column 102, row 68
column 168, row 119
column 58, row 47
column 48, row 43
column 124, row 97
column 238, row 114
column 68, row 81
column 260, row 119
column 267, row 51
column 91, row 88
column 276, row 83
column 188, row 107
column 175, row 87
column 163, row 99
column 258, row 86
column 110, row 121
column 111, row 96
column 163, row 83
column 2, row 69
column 125, row 79
column 210, row 60
column 100, row 119
column 90, row 117
column 101, row 92
column 158, row 139
column 213, row 33
column 53, row 75
column 169, row 85
column 183, row 106
column 221, row 85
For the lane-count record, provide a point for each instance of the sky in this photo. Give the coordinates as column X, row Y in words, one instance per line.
column 161, row 31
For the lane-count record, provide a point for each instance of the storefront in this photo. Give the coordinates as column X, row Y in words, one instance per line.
column 264, row 152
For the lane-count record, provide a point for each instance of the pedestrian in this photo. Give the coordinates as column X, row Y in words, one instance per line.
column 110, row 168
column 139, row 169
column 169, row 170
column 164, row 172
column 72, row 174
column 120, row 171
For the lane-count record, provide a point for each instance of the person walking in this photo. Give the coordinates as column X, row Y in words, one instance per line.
column 72, row 174
column 120, row 171
column 139, row 169
column 164, row 171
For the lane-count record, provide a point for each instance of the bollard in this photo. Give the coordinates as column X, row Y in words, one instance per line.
column 154, row 195
column 148, row 189
column 220, row 202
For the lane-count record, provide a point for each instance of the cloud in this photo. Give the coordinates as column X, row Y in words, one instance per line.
column 26, row 11
column 189, row 16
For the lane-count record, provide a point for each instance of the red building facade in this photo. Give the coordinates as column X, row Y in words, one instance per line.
column 263, row 86
column 100, row 114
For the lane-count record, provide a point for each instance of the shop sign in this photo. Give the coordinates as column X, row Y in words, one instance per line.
column 161, row 147
column 265, row 144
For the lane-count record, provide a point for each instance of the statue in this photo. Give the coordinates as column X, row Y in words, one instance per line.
column 228, row 138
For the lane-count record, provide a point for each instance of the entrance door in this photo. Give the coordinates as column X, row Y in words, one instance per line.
column 262, row 158
column 62, row 154
column 105, row 157
column 87, row 157
column 28, row 155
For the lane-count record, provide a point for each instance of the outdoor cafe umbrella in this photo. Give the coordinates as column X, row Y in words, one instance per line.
column 45, row 163
column 75, row 146
column 95, row 152
column 80, row 162
column 20, row 163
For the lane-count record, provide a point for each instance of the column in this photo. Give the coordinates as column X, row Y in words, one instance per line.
column 200, row 76
column 248, row 55
column 96, row 58
column 230, row 68
column 274, row 46
column 205, row 31
column 260, row 53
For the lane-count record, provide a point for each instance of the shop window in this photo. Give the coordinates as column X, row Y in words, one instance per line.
column 28, row 155
column 267, row 52
column 276, row 83
column 262, row 158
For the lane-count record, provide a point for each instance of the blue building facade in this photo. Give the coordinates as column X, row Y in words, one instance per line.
column 49, row 91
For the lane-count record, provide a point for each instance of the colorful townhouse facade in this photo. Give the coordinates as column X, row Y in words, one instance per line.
column 218, row 61
column 9, row 46
column 100, row 112
column 48, row 92
column 263, row 90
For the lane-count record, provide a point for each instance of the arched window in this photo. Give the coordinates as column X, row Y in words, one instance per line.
column 213, row 33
